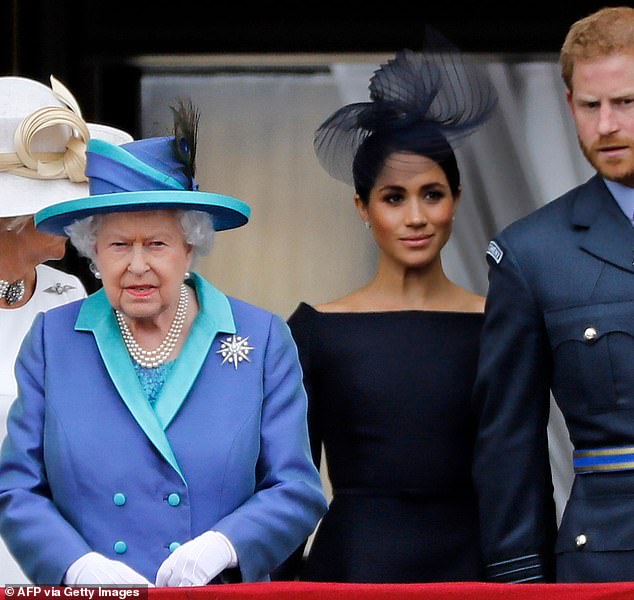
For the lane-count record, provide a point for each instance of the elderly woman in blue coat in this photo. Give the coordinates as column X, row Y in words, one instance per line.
column 159, row 433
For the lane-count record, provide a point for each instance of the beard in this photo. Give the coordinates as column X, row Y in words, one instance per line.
column 620, row 170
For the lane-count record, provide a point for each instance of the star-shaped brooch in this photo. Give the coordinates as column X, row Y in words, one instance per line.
column 234, row 350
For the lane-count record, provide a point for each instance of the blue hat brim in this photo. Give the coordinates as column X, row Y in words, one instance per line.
column 227, row 212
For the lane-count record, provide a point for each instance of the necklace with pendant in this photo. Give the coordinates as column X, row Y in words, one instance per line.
column 151, row 359
column 12, row 292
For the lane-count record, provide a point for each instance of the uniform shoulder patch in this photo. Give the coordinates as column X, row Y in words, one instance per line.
column 495, row 252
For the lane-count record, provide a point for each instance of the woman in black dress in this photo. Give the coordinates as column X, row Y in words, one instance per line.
column 389, row 367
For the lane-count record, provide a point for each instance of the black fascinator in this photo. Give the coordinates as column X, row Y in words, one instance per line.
column 423, row 102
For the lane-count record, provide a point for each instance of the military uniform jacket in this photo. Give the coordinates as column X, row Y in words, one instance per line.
column 560, row 316
column 89, row 465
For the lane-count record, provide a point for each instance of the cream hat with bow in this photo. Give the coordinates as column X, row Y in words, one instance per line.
column 43, row 141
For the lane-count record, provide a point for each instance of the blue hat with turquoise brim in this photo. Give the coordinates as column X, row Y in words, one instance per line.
column 147, row 174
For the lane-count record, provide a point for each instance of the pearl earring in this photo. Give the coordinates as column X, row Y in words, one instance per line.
column 92, row 267
column 187, row 276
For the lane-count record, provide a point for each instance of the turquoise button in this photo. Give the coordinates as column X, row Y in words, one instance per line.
column 174, row 499
column 173, row 546
column 119, row 499
column 120, row 547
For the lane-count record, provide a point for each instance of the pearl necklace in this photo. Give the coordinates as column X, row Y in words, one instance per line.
column 151, row 359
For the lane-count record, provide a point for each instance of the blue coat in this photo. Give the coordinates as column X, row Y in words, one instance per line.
column 89, row 465
column 560, row 317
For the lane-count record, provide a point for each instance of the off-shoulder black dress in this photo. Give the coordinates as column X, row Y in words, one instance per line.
column 390, row 398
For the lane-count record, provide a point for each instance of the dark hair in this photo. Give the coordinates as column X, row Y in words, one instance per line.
column 376, row 149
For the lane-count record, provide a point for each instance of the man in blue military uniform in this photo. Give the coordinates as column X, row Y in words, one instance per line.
column 560, row 317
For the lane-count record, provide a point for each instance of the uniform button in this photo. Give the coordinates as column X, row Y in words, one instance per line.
column 173, row 546
column 119, row 499
column 173, row 499
column 581, row 540
column 590, row 334
column 120, row 547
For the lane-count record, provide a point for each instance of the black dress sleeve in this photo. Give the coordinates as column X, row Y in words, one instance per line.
column 301, row 323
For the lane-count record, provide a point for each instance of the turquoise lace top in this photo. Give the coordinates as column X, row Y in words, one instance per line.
column 153, row 379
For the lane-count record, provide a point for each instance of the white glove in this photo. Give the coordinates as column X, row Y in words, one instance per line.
column 197, row 562
column 95, row 569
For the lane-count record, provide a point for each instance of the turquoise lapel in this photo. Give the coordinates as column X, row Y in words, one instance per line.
column 214, row 315
column 96, row 315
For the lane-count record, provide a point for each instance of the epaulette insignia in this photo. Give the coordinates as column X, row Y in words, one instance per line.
column 495, row 252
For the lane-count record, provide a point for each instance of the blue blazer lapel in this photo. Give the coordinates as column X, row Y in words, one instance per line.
column 96, row 315
column 214, row 316
column 609, row 234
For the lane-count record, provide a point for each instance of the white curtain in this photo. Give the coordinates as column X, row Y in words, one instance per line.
column 305, row 241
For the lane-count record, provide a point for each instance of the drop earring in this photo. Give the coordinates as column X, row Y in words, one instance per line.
column 367, row 225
